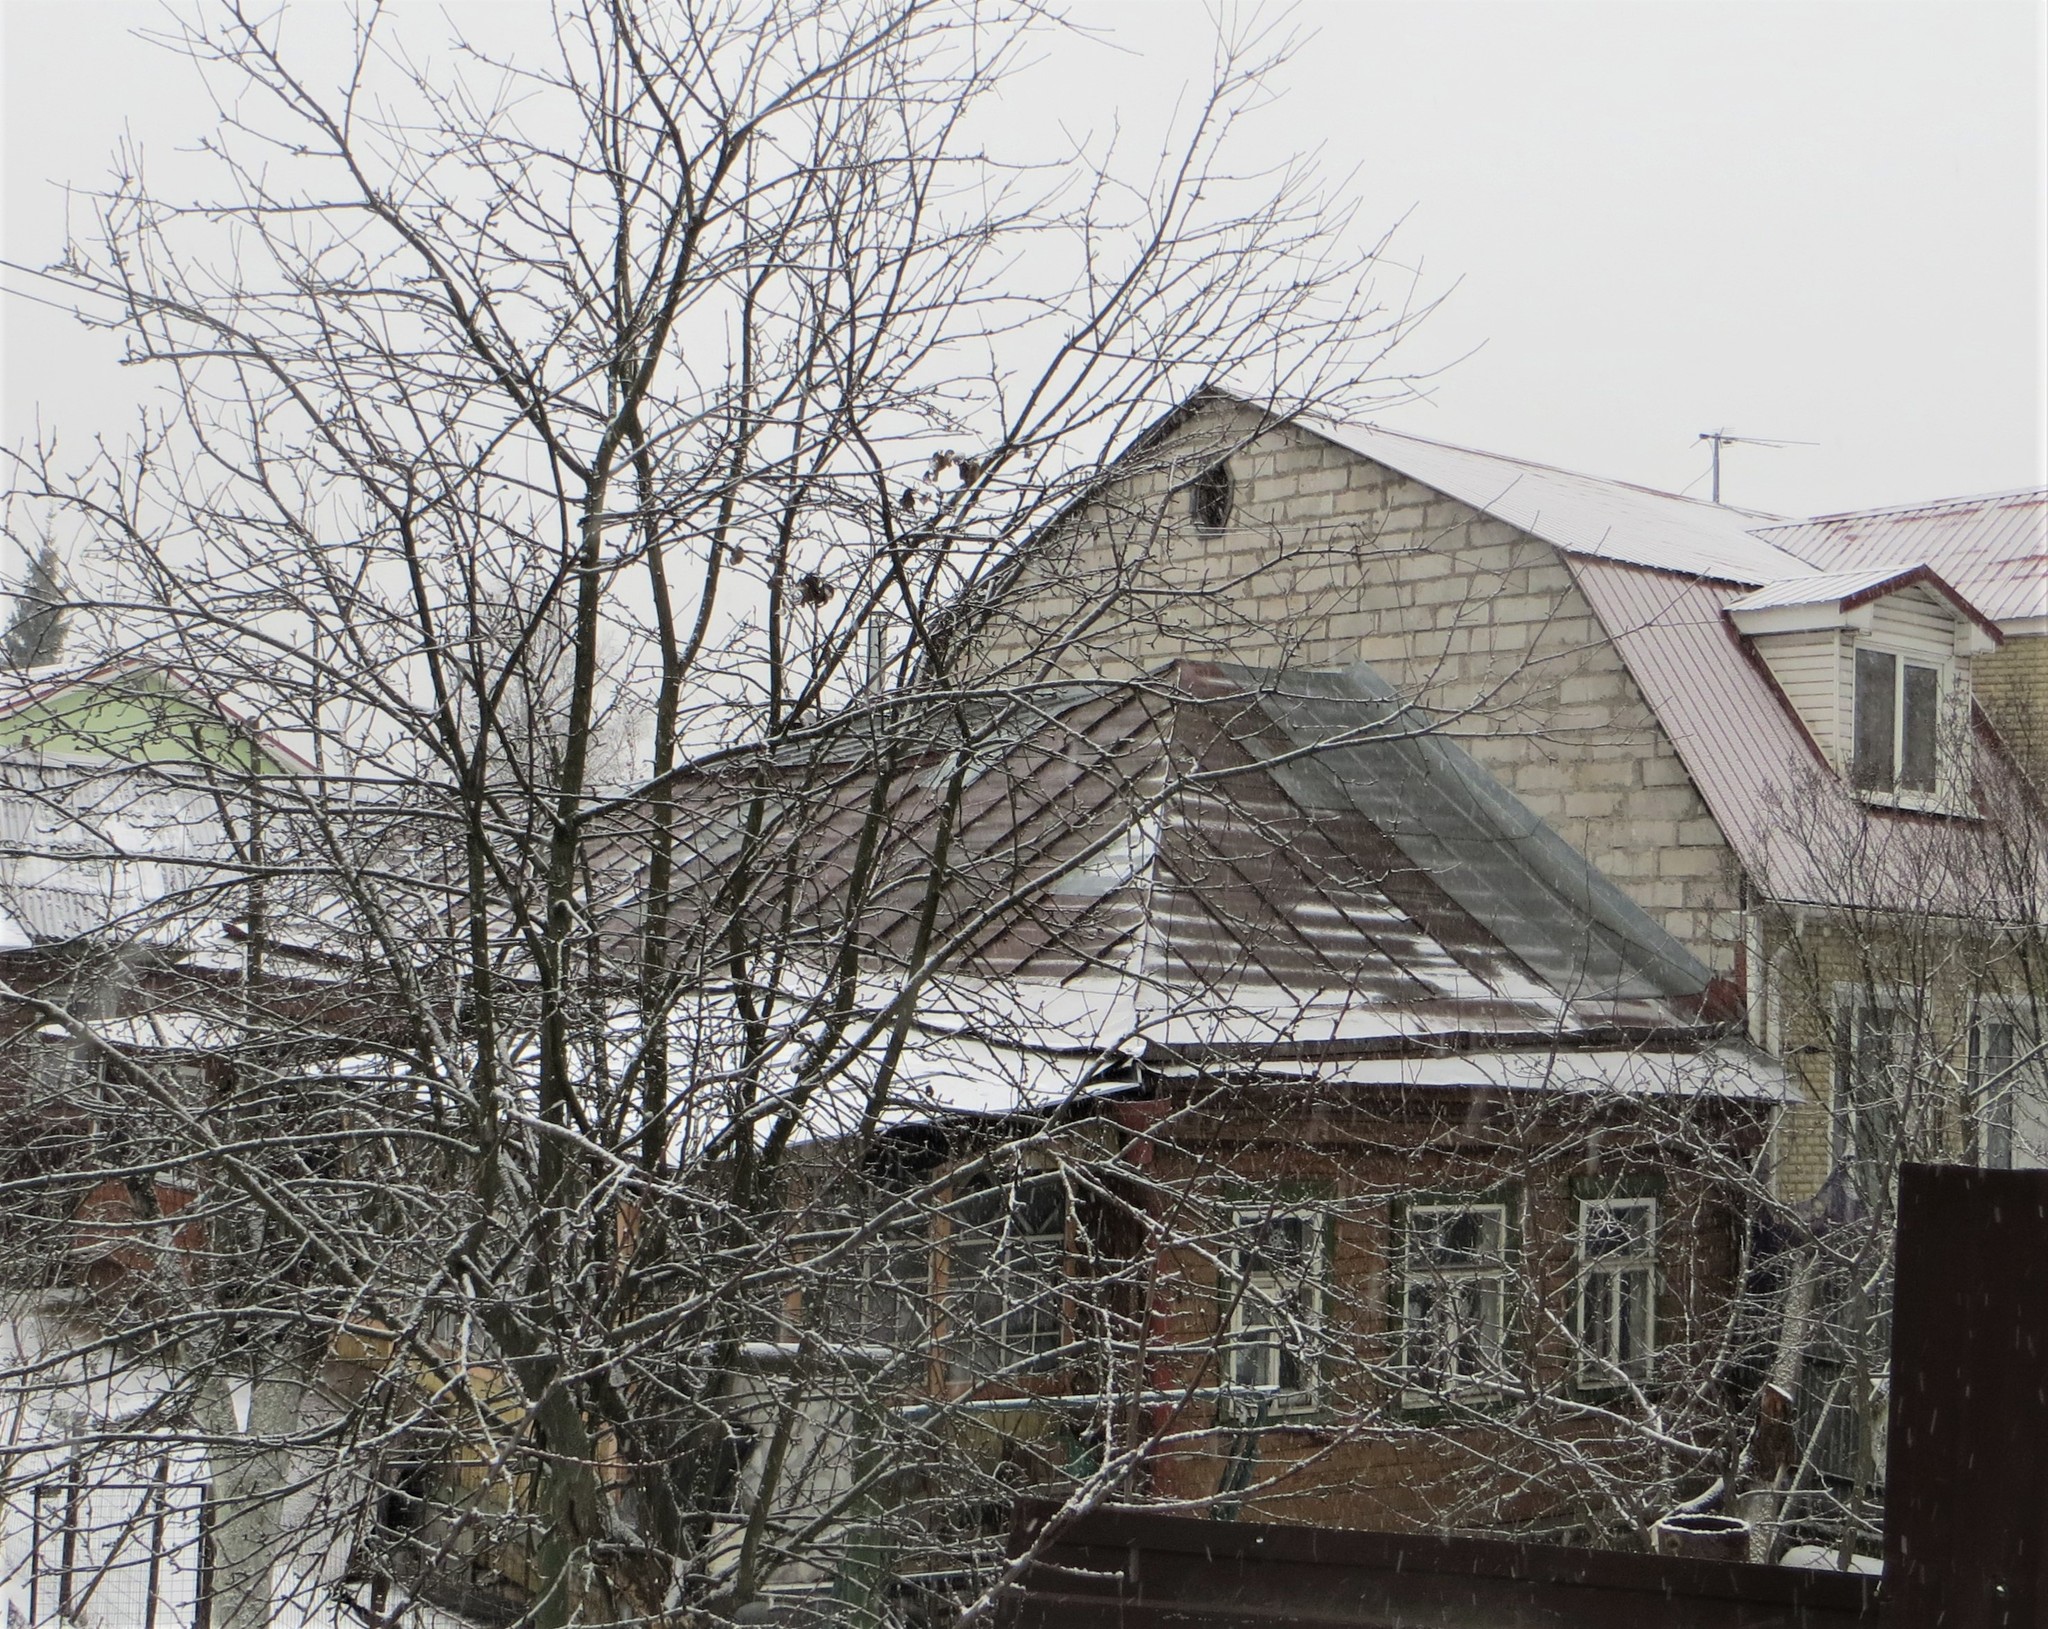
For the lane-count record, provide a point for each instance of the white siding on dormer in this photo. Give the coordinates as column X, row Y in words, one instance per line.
column 1916, row 624
column 1809, row 668
column 1816, row 667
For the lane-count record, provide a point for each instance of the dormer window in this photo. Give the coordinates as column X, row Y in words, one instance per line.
column 1877, row 666
column 1898, row 724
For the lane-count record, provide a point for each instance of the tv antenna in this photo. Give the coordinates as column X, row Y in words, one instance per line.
column 1722, row 438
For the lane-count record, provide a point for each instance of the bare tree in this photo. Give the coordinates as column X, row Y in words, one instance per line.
column 1909, row 985
column 410, row 1168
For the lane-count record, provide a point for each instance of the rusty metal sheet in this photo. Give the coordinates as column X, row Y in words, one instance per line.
column 1269, row 866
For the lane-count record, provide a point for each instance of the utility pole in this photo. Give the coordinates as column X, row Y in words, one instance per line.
column 1722, row 438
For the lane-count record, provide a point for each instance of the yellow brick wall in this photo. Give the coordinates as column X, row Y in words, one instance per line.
column 2012, row 685
column 1333, row 559
column 1937, row 976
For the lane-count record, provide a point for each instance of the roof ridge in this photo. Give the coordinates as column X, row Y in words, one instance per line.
column 2038, row 494
column 1556, row 469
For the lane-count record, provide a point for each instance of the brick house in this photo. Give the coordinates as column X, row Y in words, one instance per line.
column 1811, row 750
column 1306, row 1093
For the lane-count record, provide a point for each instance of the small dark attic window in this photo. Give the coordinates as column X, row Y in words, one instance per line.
column 1209, row 496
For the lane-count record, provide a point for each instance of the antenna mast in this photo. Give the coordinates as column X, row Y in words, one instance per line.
column 1722, row 438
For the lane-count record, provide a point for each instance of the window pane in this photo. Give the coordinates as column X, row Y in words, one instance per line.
column 1876, row 719
column 1274, row 1299
column 1277, row 1246
column 1923, row 710
column 1616, row 1230
column 1457, row 1238
column 1631, row 1317
column 1006, row 1276
column 1992, row 1049
column 1617, row 1285
column 1454, row 1298
column 1252, row 1358
column 1209, row 496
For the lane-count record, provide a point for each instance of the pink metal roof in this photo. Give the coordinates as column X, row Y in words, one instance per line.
column 1849, row 589
column 1798, row 831
column 1994, row 549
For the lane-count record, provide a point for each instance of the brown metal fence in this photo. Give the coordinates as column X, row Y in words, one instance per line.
column 1125, row 1568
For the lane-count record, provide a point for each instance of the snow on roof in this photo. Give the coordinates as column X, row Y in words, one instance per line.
column 1994, row 549
column 1849, row 589
column 1735, row 1070
column 1827, row 588
column 1990, row 552
column 944, row 1077
column 1583, row 514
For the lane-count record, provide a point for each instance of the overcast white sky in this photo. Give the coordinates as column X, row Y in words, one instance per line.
column 1819, row 222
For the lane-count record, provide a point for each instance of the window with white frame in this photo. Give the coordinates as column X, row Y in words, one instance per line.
column 1874, row 1053
column 1276, row 1301
column 1993, row 1049
column 1898, row 724
column 1454, row 1296
column 1006, row 1250
column 1617, row 1249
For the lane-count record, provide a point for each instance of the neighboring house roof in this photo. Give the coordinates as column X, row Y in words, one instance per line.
column 1991, row 553
column 1994, row 550
column 1223, row 863
column 136, row 710
column 1661, row 571
column 1822, row 588
column 1583, row 514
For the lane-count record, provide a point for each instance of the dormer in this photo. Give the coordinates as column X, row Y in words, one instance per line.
column 1877, row 665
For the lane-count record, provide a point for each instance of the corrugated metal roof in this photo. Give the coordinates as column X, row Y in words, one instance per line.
column 1823, row 588
column 1798, row 830
column 1227, row 862
column 1994, row 550
column 1469, row 834
column 1584, row 514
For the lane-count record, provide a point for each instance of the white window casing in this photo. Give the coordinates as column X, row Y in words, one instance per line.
column 1454, row 1299
column 1617, row 1290
column 1882, row 686
column 1278, row 1269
